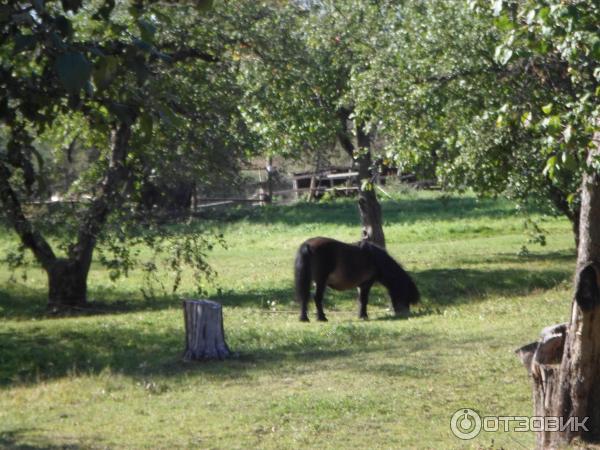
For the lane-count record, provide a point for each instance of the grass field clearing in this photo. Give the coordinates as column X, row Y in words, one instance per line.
column 114, row 379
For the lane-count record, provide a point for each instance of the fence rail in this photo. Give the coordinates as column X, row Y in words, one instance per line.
column 261, row 197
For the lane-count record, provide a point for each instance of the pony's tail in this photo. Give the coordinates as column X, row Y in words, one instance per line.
column 302, row 274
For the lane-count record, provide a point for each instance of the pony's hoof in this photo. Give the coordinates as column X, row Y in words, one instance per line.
column 402, row 313
column 365, row 317
column 304, row 319
column 322, row 319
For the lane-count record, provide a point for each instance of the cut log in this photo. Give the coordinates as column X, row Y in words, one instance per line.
column 542, row 361
column 204, row 334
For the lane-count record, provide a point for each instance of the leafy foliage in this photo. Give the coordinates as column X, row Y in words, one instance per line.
column 72, row 78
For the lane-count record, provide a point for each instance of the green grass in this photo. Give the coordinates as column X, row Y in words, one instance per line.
column 115, row 379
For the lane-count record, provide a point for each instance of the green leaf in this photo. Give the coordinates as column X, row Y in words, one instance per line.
column 504, row 23
column 74, row 71
column 554, row 122
column 551, row 165
column 547, row 109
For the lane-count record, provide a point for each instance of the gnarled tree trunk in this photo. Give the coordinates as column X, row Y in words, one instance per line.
column 67, row 277
column 566, row 381
column 368, row 205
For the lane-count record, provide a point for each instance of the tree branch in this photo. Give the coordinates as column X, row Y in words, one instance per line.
column 30, row 238
column 101, row 206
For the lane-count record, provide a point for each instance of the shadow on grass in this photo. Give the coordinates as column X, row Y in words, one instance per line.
column 455, row 286
column 406, row 210
column 21, row 302
column 14, row 440
column 144, row 349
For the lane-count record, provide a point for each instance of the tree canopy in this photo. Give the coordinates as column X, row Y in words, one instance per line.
column 138, row 86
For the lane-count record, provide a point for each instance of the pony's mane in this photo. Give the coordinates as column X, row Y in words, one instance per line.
column 391, row 274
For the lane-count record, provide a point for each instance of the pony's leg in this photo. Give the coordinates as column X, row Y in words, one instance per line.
column 304, row 311
column 319, row 300
column 363, row 299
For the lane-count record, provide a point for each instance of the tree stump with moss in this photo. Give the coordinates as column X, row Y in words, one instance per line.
column 204, row 334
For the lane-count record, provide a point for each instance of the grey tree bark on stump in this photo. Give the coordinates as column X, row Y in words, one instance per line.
column 204, row 334
column 542, row 361
column 565, row 363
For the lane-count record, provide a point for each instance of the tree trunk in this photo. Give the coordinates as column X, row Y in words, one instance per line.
column 67, row 283
column 368, row 205
column 573, row 389
column 204, row 334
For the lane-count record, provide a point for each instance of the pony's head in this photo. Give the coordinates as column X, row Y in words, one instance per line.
column 402, row 289
column 403, row 292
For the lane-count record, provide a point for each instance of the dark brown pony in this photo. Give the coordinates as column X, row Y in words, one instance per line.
column 343, row 266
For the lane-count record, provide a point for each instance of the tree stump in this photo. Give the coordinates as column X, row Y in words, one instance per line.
column 542, row 360
column 204, row 335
